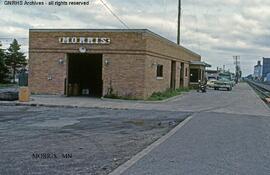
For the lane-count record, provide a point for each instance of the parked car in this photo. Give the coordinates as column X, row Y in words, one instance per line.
column 223, row 83
column 211, row 83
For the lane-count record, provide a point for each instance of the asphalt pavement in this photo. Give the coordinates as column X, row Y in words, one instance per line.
column 227, row 140
column 229, row 133
column 98, row 140
column 212, row 143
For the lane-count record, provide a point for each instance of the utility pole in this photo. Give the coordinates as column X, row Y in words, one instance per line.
column 179, row 22
column 237, row 68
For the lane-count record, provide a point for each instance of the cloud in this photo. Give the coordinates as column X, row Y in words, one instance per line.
column 215, row 29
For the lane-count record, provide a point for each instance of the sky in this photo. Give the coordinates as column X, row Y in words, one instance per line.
column 215, row 29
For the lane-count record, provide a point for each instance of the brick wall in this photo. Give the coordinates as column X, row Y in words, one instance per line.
column 162, row 47
column 186, row 76
column 42, row 66
column 124, row 74
column 130, row 55
column 152, row 83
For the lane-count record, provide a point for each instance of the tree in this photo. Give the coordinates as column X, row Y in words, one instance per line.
column 4, row 73
column 15, row 59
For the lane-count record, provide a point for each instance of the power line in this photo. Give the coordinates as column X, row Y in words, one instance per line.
column 111, row 11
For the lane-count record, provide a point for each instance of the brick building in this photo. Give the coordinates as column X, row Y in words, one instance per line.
column 132, row 63
column 266, row 67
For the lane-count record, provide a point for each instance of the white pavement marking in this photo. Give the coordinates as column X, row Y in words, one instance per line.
column 121, row 169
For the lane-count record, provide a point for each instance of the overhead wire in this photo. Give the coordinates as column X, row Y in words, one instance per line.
column 114, row 14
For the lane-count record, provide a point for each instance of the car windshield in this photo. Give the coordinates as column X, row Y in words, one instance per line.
column 223, row 79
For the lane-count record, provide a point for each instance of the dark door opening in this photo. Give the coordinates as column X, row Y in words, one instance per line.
column 182, row 75
column 84, row 75
column 173, row 75
column 194, row 75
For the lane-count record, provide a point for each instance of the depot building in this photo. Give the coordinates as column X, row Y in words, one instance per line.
column 98, row 63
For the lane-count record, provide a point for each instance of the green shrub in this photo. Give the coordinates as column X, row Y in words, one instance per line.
column 167, row 94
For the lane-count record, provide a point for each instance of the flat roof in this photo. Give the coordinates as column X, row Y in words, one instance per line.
column 200, row 63
column 212, row 71
column 116, row 31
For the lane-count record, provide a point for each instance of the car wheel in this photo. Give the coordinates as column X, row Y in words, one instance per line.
column 229, row 89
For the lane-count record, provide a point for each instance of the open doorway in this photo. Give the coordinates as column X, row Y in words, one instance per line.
column 182, row 74
column 84, row 75
column 173, row 75
column 194, row 75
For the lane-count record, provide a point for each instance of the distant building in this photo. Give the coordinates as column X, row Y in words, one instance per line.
column 249, row 76
column 266, row 67
column 258, row 71
column 268, row 77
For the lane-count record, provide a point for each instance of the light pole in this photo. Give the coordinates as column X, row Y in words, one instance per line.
column 179, row 22
column 237, row 68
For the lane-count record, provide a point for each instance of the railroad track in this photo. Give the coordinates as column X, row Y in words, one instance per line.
column 262, row 89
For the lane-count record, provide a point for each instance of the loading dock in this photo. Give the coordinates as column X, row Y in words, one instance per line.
column 84, row 75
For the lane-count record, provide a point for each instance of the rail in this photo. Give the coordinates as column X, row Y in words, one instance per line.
column 263, row 89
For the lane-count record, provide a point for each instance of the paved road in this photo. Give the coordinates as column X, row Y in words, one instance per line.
column 212, row 143
column 98, row 139
column 228, row 134
column 225, row 141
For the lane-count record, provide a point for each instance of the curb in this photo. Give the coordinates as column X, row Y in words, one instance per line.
column 122, row 168
column 56, row 106
column 32, row 104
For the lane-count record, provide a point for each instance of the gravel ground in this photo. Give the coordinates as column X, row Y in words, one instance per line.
column 96, row 140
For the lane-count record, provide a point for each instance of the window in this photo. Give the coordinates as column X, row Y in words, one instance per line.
column 186, row 72
column 159, row 70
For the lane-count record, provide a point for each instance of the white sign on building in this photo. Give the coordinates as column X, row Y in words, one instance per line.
column 84, row 40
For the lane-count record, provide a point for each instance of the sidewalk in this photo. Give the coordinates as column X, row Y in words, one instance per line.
column 238, row 101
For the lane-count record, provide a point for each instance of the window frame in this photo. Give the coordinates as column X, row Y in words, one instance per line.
column 159, row 71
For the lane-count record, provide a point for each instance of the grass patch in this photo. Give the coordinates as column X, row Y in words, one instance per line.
column 158, row 96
